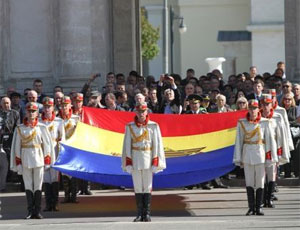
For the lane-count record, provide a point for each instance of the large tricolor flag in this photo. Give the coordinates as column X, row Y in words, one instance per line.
column 198, row 147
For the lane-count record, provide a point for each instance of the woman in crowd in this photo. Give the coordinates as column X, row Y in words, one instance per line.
column 288, row 102
column 241, row 103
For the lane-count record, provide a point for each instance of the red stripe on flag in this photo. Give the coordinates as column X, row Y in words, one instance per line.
column 170, row 125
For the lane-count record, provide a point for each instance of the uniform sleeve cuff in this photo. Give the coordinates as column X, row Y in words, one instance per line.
column 18, row 161
column 47, row 160
column 128, row 161
column 155, row 161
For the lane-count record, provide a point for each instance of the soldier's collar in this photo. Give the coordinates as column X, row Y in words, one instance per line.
column 48, row 119
column 28, row 124
column 138, row 124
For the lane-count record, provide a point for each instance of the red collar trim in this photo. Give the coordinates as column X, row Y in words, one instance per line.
column 77, row 112
column 256, row 120
column 275, row 105
column 65, row 117
column 270, row 114
column 32, row 125
column 48, row 119
column 138, row 124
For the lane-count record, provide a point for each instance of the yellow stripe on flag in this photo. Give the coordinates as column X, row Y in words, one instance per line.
column 97, row 140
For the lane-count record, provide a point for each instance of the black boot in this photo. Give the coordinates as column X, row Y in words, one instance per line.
column 250, row 196
column 48, row 197
column 259, row 200
column 139, row 206
column 55, row 193
column 87, row 188
column 73, row 190
column 29, row 198
column 147, row 207
column 265, row 200
column 67, row 190
column 37, row 204
column 271, row 189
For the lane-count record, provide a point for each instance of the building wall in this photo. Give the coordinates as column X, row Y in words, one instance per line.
column 204, row 19
column 292, row 39
column 267, row 27
column 1, row 48
column 64, row 42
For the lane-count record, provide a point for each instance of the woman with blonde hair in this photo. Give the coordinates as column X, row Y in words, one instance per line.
column 289, row 104
column 241, row 103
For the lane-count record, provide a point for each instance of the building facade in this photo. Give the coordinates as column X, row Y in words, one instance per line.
column 64, row 42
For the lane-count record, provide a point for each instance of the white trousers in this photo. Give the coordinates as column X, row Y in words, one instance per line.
column 255, row 175
column 50, row 176
column 142, row 180
column 33, row 178
column 271, row 171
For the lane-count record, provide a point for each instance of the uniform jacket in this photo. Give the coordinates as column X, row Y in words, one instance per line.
column 32, row 145
column 253, row 142
column 143, row 147
column 283, row 113
column 70, row 125
column 57, row 131
column 277, row 124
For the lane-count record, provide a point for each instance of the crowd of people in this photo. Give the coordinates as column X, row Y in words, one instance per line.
column 171, row 94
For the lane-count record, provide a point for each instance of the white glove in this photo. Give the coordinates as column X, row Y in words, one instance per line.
column 19, row 169
column 154, row 169
column 129, row 169
column 46, row 167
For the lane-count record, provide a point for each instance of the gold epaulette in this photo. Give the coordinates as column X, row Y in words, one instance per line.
column 135, row 139
column 249, row 135
column 69, row 130
column 50, row 128
column 26, row 139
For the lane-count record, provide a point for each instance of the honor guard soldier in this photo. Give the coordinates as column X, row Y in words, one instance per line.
column 254, row 141
column 143, row 155
column 31, row 152
column 56, row 129
column 84, row 186
column 77, row 104
column 70, row 121
column 283, row 113
column 277, row 124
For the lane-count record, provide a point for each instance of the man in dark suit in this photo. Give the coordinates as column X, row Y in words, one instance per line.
column 258, row 87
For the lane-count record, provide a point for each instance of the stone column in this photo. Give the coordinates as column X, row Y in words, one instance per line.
column 84, row 41
column 292, row 39
column 125, row 26
column 1, row 48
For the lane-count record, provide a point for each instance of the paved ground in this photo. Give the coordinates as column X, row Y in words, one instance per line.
column 171, row 209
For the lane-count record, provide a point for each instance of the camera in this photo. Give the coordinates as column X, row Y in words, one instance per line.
column 98, row 75
column 167, row 76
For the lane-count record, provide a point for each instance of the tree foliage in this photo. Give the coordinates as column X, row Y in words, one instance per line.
column 150, row 36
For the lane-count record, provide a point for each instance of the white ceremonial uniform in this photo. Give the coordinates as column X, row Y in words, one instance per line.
column 143, row 148
column 31, row 145
column 57, row 131
column 282, row 146
column 253, row 142
column 283, row 113
column 70, row 125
